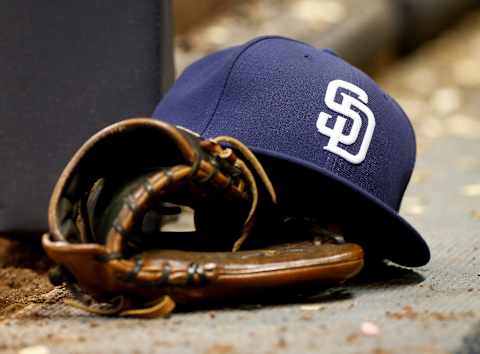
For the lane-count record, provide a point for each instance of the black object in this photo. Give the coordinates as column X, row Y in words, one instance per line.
column 421, row 20
column 67, row 69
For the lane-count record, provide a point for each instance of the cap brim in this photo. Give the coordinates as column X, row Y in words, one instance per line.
column 305, row 187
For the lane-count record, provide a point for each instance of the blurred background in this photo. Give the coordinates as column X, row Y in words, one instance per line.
column 363, row 32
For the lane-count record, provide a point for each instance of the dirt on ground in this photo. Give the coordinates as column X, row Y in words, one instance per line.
column 23, row 276
column 407, row 312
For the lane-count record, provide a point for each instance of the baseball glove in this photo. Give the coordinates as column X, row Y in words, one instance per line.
column 147, row 215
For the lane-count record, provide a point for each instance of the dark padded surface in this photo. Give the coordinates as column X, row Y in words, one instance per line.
column 66, row 70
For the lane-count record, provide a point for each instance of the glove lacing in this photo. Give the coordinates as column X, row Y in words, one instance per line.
column 242, row 166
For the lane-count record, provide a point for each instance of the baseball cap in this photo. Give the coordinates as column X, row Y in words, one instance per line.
column 336, row 146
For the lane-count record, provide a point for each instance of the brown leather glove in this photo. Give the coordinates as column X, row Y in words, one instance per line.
column 115, row 205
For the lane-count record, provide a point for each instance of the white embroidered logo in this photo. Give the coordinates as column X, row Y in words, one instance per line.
column 344, row 109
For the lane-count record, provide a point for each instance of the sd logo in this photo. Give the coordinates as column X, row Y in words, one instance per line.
column 344, row 109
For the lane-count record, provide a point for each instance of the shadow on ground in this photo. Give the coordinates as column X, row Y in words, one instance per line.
column 384, row 274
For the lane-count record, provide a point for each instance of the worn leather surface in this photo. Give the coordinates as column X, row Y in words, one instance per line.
column 227, row 274
column 98, row 208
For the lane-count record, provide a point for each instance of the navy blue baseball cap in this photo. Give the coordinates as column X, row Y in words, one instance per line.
column 336, row 146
